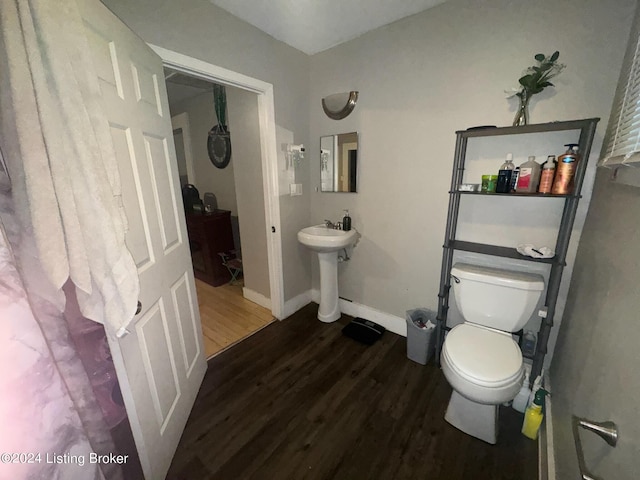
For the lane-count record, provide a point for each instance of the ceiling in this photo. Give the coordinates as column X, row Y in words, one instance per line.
column 182, row 87
column 316, row 25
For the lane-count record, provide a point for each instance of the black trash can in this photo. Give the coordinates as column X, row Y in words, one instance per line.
column 421, row 334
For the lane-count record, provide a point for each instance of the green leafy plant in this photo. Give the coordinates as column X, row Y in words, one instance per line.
column 536, row 78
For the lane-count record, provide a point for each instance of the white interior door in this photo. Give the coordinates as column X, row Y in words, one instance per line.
column 161, row 363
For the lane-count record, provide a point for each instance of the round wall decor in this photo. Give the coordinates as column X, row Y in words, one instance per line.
column 219, row 146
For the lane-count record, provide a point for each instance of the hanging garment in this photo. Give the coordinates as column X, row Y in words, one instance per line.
column 59, row 154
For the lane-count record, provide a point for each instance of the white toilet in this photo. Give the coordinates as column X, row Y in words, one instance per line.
column 480, row 359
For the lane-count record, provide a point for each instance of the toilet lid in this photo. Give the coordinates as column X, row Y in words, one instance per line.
column 484, row 356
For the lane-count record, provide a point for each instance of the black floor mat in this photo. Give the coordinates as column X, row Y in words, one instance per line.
column 364, row 331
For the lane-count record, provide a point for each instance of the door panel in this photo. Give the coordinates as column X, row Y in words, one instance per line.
column 161, row 363
column 189, row 331
column 138, row 239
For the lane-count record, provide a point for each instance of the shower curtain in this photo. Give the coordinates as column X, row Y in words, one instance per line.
column 61, row 237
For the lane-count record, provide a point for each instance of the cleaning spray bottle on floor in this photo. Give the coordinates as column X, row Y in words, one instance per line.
column 533, row 416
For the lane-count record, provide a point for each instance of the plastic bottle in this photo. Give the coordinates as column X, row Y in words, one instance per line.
column 514, row 179
column 529, row 176
column 504, row 175
column 346, row 221
column 546, row 177
column 567, row 162
column 529, row 344
column 537, row 385
column 522, row 398
column 533, row 416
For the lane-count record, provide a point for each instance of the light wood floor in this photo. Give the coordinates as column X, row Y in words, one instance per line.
column 227, row 317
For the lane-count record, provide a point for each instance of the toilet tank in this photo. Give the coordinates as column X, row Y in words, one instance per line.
column 495, row 298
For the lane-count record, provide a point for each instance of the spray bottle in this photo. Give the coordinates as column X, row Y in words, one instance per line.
column 533, row 416
column 567, row 162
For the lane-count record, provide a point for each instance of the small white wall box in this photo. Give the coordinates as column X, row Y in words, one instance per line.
column 469, row 187
column 295, row 189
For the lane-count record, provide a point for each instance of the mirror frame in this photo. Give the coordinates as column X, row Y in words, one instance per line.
column 346, row 110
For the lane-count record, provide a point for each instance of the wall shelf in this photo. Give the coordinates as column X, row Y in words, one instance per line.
column 515, row 194
column 496, row 251
column 556, row 264
column 524, row 129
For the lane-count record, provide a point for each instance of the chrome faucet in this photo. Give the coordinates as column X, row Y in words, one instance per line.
column 335, row 226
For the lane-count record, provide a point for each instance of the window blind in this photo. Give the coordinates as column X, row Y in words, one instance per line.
column 621, row 144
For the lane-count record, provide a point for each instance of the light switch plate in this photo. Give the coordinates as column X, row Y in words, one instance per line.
column 295, row 189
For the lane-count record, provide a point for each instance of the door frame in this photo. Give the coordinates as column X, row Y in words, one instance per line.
column 181, row 121
column 269, row 154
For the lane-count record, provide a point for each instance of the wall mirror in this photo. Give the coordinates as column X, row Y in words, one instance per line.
column 339, row 162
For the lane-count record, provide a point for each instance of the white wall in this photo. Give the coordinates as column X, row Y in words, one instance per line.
column 421, row 79
column 201, row 30
column 207, row 177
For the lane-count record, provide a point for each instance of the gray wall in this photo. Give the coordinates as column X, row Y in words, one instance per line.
column 421, row 79
column 199, row 29
column 595, row 369
column 247, row 161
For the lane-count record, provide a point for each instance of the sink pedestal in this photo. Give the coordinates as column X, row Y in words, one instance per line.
column 329, row 310
column 327, row 242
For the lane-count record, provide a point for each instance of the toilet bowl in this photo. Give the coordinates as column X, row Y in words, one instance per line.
column 485, row 368
column 480, row 359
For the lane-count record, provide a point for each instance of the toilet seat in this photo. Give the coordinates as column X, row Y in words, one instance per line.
column 482, row 356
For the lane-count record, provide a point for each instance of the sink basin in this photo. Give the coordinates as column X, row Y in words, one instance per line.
column 322, row 239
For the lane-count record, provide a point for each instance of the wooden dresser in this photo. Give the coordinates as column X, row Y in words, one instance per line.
column 209, row 234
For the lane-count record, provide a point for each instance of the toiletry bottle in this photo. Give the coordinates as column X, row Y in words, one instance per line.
column 522, row 398
column 546, row 177
column 514, row 179
column 533, row 416
column 529, row 176
column 346, row 221
column 567, row 162
column 504, row 175
column 529, row 344
column 537, row 385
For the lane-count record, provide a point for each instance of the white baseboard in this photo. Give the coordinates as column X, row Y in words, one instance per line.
column 392, row 323
column 294, row 304
column 256, row 297
column 546, row 457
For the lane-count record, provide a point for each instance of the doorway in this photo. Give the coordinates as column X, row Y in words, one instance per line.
column 225, row 218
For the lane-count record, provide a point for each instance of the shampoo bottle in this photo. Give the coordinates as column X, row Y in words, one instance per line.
column 504, row 175
column 548, row 171
column 533, row 416
column 563, row 184
column 529, row 176
column 346, row 221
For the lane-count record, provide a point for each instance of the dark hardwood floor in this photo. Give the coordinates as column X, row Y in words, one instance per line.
column 298, row 400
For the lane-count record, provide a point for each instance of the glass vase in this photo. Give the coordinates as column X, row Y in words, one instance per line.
column 522, row 114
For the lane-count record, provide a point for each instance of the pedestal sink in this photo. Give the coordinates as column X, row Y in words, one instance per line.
column 327, row 242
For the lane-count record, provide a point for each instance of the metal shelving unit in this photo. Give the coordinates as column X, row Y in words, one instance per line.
column 587, row 129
